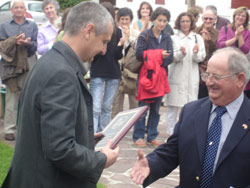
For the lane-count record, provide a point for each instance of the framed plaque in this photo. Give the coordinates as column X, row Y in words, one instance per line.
column 119, row 126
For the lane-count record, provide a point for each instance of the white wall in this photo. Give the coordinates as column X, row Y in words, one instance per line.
column 223, row 7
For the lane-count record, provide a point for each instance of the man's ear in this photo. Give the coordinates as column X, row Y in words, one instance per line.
column 89, row 31
column 241, row 79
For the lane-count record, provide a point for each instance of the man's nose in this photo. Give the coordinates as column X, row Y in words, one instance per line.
column 209, row 81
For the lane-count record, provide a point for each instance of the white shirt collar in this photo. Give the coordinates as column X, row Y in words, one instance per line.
column 233, row 107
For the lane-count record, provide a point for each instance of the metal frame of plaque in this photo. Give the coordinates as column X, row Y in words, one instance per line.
column 119, row 126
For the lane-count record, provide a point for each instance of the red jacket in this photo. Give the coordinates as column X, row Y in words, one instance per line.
column 157, row 86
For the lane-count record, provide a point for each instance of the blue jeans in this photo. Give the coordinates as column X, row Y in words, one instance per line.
column 102, row 105
column 152, row 124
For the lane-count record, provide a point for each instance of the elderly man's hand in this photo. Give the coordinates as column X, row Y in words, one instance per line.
column 20, row 40
column 25, row 42
column 141, row 169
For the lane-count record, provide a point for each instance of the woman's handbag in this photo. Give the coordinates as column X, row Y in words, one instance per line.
column 131, row 63
column 128, row 82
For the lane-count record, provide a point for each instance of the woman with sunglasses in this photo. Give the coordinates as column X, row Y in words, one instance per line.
column 209, row 35
column 238, row 35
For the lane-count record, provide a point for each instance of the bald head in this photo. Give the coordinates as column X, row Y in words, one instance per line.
column 16, row 1
column 18, row 10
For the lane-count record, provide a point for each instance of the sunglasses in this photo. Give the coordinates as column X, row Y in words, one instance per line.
column 206, row 18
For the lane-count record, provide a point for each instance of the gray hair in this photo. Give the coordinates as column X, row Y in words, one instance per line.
column 212, row 8
column 53, row 2
column 14, row 1
column 237, row 61
column 88, row 12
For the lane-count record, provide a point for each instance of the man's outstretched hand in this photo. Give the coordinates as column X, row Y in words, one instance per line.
column 141, row 169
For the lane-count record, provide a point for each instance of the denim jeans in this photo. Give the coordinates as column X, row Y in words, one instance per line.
column 102, row 105
column 152, row 124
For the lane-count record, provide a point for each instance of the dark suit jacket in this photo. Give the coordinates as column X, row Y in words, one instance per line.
column 186, row 148
column 221, row 22
column 55, row 142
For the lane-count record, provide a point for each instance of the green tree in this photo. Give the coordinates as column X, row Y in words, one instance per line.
column 69, row 3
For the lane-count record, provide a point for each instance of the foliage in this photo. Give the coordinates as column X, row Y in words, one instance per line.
column 68, row 3
column 100, row 186
column 6, row 153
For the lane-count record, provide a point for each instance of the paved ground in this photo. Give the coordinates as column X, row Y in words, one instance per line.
column 118, row 175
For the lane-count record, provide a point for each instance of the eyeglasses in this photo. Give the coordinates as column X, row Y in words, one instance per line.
column 207, row 18
column 185, row 21
column 214, row 77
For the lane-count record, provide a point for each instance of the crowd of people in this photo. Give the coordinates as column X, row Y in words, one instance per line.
column 56, row 116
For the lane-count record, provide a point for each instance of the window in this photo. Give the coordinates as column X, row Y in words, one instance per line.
column 36, row 7
column 5, row 7
column 239, row 3
column 160, row 2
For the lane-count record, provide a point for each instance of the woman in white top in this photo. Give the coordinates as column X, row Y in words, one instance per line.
column 144, row 14
column 189, row 50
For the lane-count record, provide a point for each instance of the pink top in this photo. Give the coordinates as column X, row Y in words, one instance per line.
column 247, row 86
column 224, row 36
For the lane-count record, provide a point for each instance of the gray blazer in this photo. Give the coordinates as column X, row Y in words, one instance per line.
column 55, row 142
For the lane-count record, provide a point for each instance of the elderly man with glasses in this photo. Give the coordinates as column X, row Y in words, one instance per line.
column 209, row 35
column 210, row 142
column 219, row 21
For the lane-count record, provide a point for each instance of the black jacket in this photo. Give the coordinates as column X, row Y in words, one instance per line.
column 107, row 66
column 55, row 141
column 147, row 40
